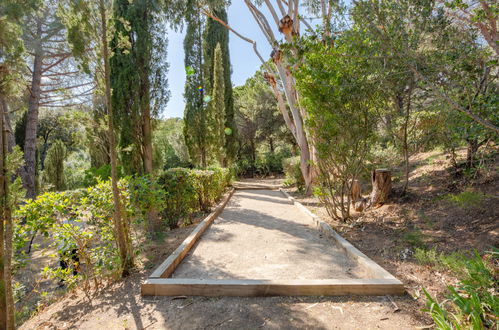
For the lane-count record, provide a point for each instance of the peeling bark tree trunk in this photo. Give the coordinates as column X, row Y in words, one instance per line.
column 382, row 185
column 29, row 172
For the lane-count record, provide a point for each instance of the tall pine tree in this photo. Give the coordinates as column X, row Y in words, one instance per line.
column 215, row 34
column 194, row 113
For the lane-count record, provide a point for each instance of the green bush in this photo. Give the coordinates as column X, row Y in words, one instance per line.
column 181, row 196
column 474, row 303
column 189, row 191
column 291, row 167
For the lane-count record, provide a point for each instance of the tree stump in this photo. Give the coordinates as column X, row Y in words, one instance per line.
column 382, row 185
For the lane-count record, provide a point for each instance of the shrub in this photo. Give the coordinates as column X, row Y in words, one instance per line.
column 474, row 303
column 146, row 194
column 188, row 191
column 103, row 173
column 291, row 168
column 181, row 197
column 54, row 166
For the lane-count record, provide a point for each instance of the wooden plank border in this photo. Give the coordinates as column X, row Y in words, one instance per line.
column 158, row 284
column 375, row 270
column 168, row 266
column 326, row 287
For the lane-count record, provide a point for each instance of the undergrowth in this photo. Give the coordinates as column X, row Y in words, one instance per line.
column 467, row 199
column 474, row 302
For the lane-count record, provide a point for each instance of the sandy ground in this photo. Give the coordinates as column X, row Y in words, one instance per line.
column 261, row 235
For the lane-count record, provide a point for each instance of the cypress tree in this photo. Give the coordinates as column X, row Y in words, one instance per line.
column 194, row 113
column 216, row 113
column 215, row 34
column 138, row 79
column 54, row 165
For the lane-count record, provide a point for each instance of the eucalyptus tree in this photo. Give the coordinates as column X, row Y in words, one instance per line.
column 287, row 18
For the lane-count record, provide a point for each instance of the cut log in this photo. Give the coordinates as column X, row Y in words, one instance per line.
column 382, row 185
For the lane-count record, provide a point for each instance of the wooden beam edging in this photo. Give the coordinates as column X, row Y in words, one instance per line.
column 369, row 265
column 168, row 266
column 247, row 288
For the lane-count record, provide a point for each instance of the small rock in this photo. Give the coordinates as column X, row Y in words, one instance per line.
column 406, row 253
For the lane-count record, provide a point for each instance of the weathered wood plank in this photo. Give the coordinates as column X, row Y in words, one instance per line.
column 325, row 287
column 375, row 270
column 168, row 266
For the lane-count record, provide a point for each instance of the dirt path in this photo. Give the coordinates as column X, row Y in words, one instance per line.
column 261, row 235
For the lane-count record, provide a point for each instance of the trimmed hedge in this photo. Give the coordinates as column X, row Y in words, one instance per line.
column 189, row 191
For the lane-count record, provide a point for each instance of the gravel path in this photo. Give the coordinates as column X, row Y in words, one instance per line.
column 261, row 235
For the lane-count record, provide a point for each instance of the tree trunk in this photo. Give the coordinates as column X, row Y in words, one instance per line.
column 358, row 202
column 3, row 286
column 29, row 173
column 122, row 234
column 154, row 221
column 471, row 151
column 11, row 140
column 382, row 185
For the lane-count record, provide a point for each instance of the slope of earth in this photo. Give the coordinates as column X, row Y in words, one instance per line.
column 442, row 214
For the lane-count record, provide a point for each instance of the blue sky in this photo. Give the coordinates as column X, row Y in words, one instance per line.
column 244, row 61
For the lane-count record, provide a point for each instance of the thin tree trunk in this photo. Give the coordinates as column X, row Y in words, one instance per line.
column 29, row 173
column 122, row 235
column 3, row 286
column 11, row 140
column 154, row 221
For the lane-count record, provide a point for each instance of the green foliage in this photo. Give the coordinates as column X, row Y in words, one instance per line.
column 215, row 113
column 80, row 219
column 291, row 167
column 341, row 99
column 194, row 91
column 216, row 35
column 94, row 175
column 169, row 146
column 139, row 67
column 467, row 199
column 473, row 303
column 454, row 262
column 146, row 194
column 54, row 166
column 75, row 169
column 189, row 191
column 181, row 197
column 414, row 237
